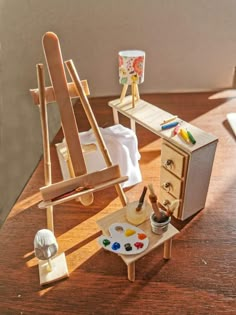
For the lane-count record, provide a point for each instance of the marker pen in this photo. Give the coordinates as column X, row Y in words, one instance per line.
column 191, row 138
column 171, row 125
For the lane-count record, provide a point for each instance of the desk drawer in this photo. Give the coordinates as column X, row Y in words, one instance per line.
column 172, row 160
column 170, row 183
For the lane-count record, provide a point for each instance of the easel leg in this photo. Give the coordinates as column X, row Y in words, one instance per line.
column 69, row 165
column 167, row 249
column 115, row 116
column 131, row 271
column 46, row 145
column 133, row 94
column 50, row 224
column 92, row 120
column 136, row 92
column 121, row 195
column 123, row 93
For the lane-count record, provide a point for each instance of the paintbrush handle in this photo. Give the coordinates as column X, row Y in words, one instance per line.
column 153, row 199
column 141, row 199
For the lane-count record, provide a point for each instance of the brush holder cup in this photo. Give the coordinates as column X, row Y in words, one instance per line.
column 159, row 227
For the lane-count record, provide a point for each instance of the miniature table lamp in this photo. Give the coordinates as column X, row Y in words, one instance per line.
column 131, row 72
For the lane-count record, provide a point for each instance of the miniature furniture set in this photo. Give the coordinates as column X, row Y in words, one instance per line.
column 184, row 175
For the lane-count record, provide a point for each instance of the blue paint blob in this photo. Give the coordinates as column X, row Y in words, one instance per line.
column 115, row 246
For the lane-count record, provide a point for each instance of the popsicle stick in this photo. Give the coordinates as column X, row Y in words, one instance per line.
column 123, row 93
column 50, row 95
column 137, row 92
column 54, row 60
column 98, row 187
column 93, row 123
column 131, row 271
column 87, row 180
column 133, row 94
column 167, row 249
column 45, row 135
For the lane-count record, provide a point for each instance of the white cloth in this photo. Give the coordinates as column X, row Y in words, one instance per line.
column 122, row 145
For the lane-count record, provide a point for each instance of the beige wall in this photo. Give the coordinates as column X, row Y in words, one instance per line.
column 190, row 45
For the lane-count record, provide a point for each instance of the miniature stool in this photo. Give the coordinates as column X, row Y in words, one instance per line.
column 154, row 239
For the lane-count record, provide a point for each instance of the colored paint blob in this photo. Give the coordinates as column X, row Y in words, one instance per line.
column 106, row 242
column 142, row 236
column 128, row 247
column 129, row 232
column 138, row 245
column 115, row 246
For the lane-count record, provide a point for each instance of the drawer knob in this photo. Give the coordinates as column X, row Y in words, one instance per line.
column 169, row 164
column 167, row 186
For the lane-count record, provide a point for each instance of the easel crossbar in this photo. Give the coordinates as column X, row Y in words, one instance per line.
column 87, row 180
column 50, row 95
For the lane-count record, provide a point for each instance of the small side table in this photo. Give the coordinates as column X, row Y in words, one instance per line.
column 154, row 239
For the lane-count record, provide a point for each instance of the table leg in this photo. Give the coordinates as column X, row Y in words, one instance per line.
column 167, row 249
column 133, row 125
column 131, row 271
column 115, row 116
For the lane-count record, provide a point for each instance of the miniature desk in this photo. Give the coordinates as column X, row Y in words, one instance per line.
column 191, row 165
column 154, row 239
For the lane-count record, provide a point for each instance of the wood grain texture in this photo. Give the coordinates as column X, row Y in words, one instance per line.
column 200, row 278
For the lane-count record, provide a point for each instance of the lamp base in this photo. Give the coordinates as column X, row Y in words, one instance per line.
column 58, row 270
column 134, row 92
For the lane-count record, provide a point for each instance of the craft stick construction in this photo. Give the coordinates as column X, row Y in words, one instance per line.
column 83, row 184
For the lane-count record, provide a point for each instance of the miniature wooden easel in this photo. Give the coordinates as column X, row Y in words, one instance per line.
column 83, row 183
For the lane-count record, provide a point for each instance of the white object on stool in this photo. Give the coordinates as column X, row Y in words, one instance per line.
column 122, row 145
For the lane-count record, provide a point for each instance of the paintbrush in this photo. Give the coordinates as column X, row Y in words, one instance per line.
column 141, row 199
column 171, row 208
column 72, row 192
column 153, row 198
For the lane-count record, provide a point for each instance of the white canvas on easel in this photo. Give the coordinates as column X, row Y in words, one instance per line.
column 122, row 144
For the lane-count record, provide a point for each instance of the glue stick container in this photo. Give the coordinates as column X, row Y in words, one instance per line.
column 137, row 217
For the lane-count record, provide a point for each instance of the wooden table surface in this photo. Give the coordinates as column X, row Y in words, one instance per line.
column 199, row 279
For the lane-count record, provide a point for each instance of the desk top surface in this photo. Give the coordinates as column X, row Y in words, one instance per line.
column 151, row 116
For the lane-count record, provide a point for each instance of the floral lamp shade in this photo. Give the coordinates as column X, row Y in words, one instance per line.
column 131, row 66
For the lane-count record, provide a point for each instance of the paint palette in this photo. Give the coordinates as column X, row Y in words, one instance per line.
column 125, row 239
